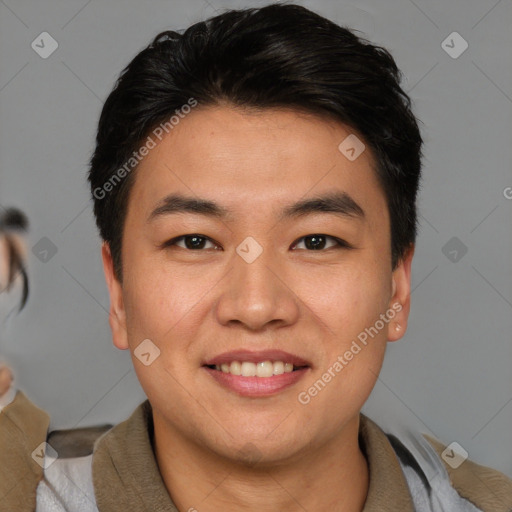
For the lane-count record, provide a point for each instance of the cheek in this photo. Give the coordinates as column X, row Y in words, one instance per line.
column 354, row 350
column 158, row 298
column 349, row 304
column 347, row 300
column 160, row 307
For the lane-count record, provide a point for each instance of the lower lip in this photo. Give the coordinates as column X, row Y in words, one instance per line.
column 256, row 386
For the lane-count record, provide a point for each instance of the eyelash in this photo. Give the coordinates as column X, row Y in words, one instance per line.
column 340, row 244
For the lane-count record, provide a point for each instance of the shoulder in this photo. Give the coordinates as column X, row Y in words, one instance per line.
column 23, row 428
column 52, row 470
column 67, row 486
column 427, row 465
column 487, row 488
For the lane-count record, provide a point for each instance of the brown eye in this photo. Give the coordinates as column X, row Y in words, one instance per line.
column 191, row 242
column 318, row 242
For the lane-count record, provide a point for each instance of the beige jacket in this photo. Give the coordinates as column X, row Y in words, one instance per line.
column 125, row 475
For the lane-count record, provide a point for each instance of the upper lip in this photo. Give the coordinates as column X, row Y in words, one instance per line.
column 256, row 357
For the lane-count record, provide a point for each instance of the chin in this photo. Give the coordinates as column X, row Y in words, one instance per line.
column 261, row 454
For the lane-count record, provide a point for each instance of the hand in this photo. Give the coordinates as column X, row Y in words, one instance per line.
column 5, row 379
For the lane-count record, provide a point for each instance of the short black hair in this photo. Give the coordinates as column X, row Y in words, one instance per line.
column 277, row 56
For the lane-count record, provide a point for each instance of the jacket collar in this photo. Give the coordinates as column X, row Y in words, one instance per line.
column 126, row 476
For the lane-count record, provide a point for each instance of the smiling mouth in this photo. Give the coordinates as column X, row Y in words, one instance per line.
column 262, row 369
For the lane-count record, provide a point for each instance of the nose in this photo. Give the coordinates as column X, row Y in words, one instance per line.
column 257, row 294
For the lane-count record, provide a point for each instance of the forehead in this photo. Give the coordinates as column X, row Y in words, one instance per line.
column 248, row 159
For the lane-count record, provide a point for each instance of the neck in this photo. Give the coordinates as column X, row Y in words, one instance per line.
column 331, row 477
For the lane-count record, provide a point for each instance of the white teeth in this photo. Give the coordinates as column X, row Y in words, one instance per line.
column 235, row 368
column 279, row 368
column 262, row 369
column 265, row 369
column 248, row 369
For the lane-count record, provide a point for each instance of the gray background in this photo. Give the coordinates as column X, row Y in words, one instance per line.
column 450, row 376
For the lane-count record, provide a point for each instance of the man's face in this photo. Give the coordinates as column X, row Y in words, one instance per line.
column 206, row 297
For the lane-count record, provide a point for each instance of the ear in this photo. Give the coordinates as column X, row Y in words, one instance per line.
column 117, row 315
column 401, row 296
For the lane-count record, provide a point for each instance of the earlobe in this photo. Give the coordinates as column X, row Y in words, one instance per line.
column 117, row 315
column 401, row 296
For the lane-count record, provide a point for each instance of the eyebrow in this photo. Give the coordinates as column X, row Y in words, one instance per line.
column 338, row 203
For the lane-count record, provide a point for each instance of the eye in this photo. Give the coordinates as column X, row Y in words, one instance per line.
column 193, row 242
column 318, row 242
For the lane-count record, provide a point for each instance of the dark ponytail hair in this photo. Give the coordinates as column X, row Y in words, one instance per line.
column 13, row 221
